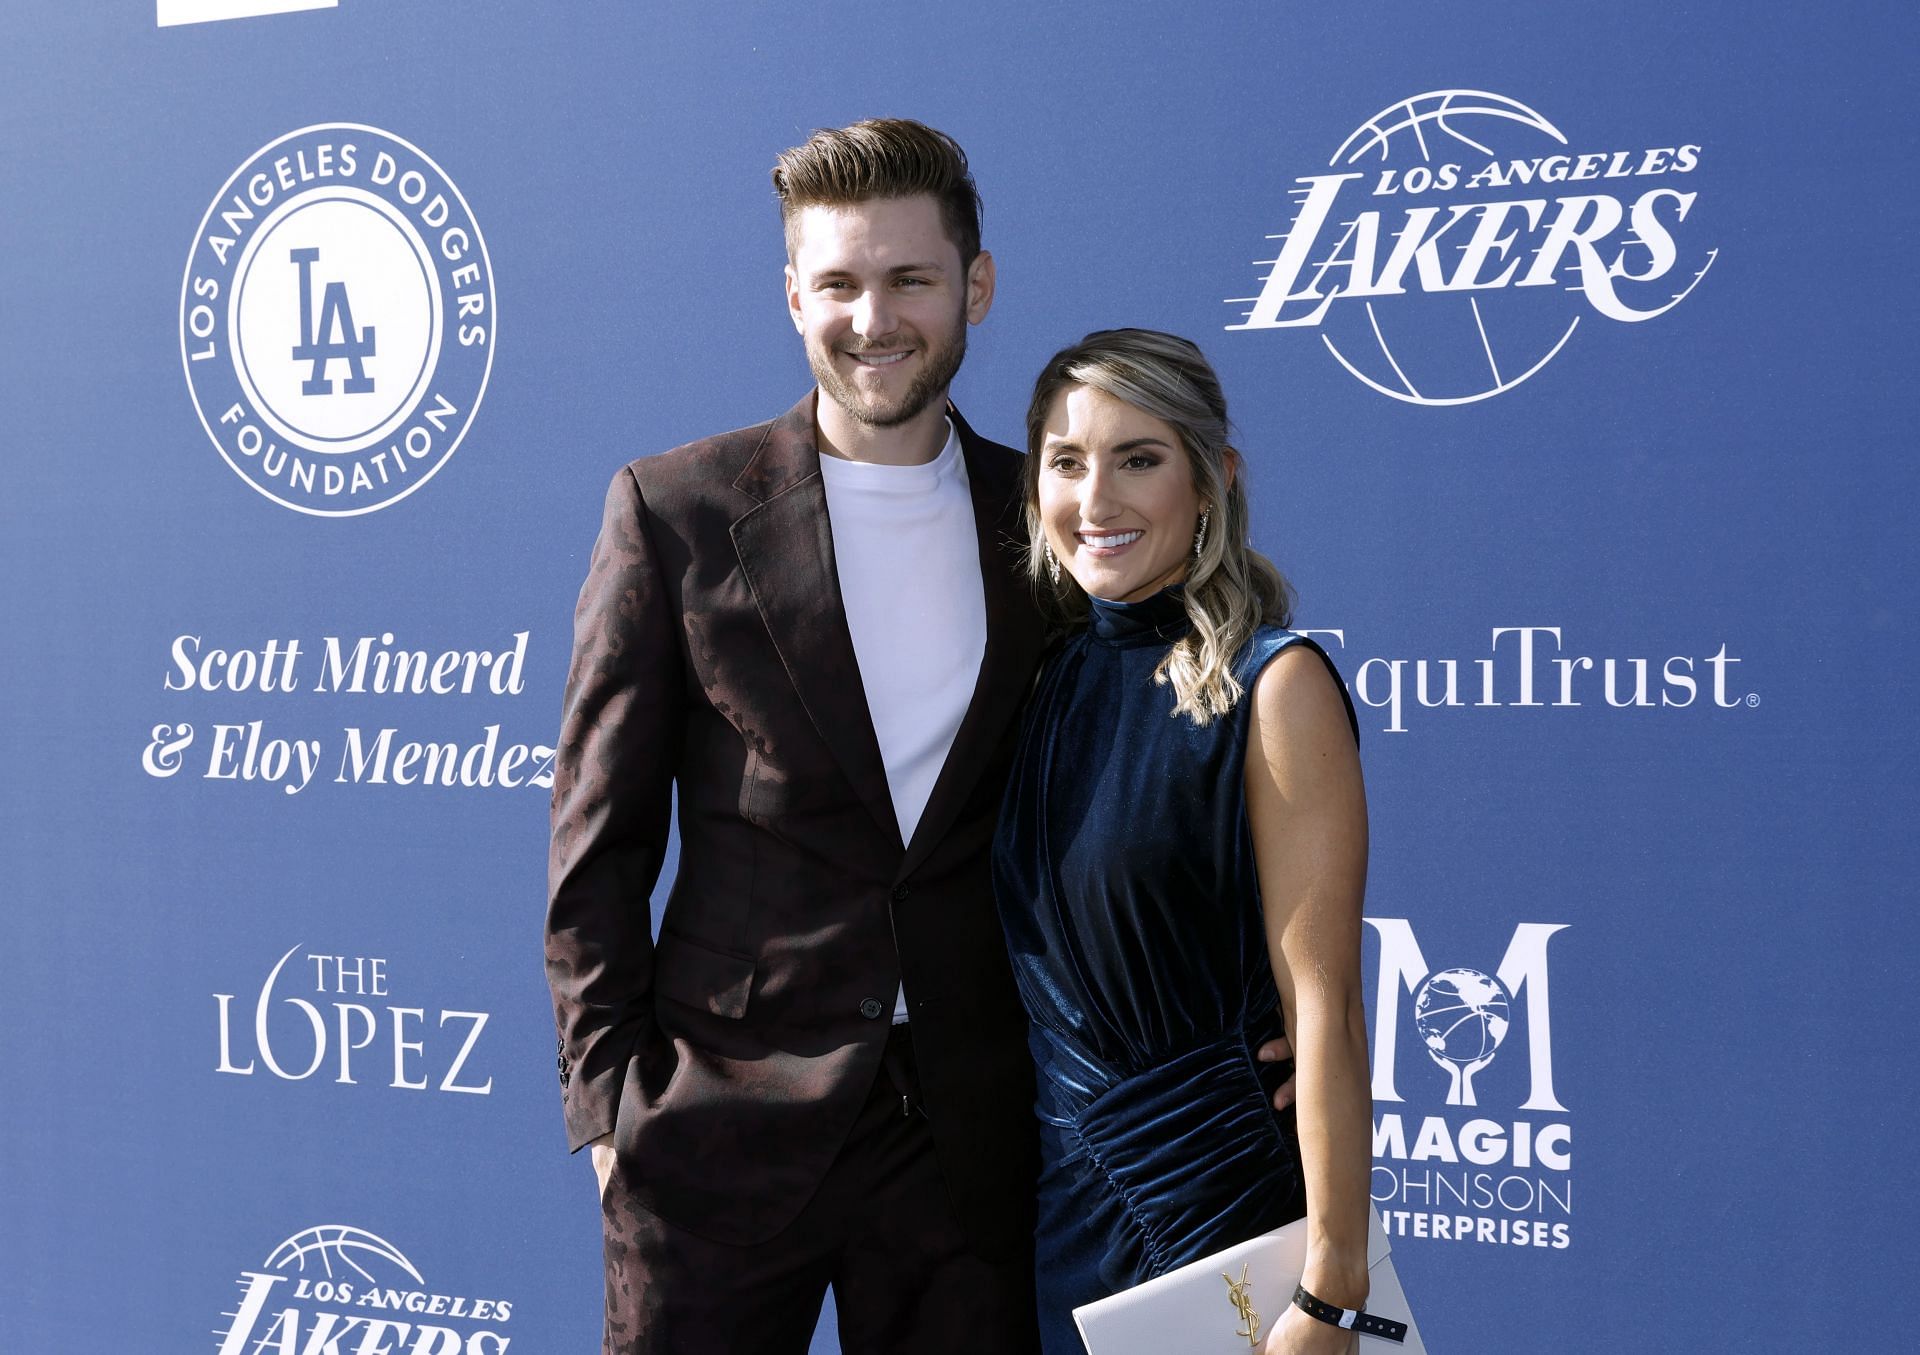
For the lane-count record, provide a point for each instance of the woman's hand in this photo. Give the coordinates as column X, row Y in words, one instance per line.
column 1297, row 1334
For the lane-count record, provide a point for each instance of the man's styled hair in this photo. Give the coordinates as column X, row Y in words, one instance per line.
column 880, row 158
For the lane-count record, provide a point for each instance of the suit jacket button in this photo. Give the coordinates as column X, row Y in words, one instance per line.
column 900, row 893
column 871, row 1009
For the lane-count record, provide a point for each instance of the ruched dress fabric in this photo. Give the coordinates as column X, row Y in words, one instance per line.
column 1124, row 873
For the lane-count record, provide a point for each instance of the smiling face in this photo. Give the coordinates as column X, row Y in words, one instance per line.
column 878, row 292
column 1116, row 493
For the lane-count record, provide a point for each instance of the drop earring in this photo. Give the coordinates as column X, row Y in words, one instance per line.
column 1200, row 536
column 1053, row 565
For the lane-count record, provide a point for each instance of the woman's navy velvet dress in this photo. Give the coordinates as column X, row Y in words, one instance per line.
column 1124, row 871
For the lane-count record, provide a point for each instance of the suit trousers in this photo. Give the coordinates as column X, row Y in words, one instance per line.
column 880, row 1231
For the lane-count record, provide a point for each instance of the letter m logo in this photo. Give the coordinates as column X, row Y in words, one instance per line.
column 1523, row 971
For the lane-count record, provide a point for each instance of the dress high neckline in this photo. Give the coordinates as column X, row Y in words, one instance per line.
column 1160, row 619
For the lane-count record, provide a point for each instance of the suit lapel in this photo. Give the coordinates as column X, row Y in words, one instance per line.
column 1015, row 636
column 785, row 545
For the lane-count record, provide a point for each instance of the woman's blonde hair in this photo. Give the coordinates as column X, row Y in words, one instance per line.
column 1230, row 588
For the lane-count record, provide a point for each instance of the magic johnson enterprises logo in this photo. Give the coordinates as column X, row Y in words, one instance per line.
column 336, row 1288
column 337, row 319
column 1461, row 237
column 1458, row 1156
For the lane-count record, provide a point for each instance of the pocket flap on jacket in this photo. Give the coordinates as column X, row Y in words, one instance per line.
column 701, row 977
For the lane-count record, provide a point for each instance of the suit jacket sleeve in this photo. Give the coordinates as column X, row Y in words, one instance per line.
column 612, row 793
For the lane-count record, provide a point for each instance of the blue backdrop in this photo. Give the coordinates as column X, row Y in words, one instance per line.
column 1678, row 911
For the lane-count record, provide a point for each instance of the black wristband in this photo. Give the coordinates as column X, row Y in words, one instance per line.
column 1351, row 1319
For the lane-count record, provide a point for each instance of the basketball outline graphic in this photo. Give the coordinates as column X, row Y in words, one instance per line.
column 1409, row 123
column 329, row 1241
column 1381, row 138
column 1490, row 1017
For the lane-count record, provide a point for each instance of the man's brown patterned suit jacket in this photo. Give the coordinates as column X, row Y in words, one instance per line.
column 711, row 654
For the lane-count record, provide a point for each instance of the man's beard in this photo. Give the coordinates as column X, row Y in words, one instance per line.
column 938, row 364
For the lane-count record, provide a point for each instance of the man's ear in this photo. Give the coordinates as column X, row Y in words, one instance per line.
column 793, row 299
column 979, row 287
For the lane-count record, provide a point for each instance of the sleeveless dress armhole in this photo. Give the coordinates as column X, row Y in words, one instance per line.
column 1270, row 641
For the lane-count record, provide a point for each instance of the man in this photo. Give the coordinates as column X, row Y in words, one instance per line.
column 815, row 629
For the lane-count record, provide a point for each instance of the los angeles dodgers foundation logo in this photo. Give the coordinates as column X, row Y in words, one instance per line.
column 1447, row 256
column 1468, row 1169
column 337, row 319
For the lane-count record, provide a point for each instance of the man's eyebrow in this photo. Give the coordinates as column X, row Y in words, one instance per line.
column 898, row 270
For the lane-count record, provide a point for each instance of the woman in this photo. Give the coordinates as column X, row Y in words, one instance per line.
column 1180, row 859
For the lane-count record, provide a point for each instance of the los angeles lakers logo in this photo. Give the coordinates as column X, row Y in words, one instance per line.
column 334, row 1287
column 337, row 319
column 1459, row 238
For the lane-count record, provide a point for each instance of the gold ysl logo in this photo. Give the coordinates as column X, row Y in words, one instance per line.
column 1243, row 1305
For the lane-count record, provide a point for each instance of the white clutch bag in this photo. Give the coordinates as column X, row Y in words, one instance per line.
column 1228, row 1302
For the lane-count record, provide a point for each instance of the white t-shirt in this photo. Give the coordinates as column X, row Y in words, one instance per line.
column 908, row 558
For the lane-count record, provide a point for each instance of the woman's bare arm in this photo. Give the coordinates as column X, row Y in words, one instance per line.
column 1308, row 813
